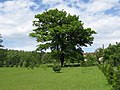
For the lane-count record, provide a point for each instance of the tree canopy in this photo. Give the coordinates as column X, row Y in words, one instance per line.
column 112, row 54
column 61, row 32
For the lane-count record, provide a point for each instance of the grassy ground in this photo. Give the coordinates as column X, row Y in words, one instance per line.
column 78, row 78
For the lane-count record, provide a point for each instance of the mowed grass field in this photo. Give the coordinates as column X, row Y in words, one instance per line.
column 70, row 78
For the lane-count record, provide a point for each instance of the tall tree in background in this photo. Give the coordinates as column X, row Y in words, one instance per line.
column 61, row 32
column 1, row 41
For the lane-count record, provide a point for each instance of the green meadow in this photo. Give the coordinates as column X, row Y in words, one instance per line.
column 70, row 78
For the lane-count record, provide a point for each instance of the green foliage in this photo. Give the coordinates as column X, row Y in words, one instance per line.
column 112, row 74
column 112, row 54
column 99, row 53
column 12, row 58
column 106, row 69
column 2, row 57
column 75, row 56
column 56, row 68
column 46, row 58
column 1, row 41
column 61, row 32
column 116, row 84
column 15, row 58
column 111, row 58
column 91, row 59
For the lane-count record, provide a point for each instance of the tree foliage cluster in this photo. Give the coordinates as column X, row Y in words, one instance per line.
column 11, row 58
column 1, row 41
column 112, row 54
column 89, row 59
column 99, row 54
column 111, row 65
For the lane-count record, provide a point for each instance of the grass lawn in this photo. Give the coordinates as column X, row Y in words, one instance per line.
column 76, row 78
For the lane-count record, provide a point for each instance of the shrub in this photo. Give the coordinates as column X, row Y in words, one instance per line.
column 110, row 74
column 116, row 84
column 108, row 71
column 56, row 68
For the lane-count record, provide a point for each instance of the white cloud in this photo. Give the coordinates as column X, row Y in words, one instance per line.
column 71, row 10
column 16, row 23
column 51, row 1
column 101, row 5
column 108, row 29
column 16, row 17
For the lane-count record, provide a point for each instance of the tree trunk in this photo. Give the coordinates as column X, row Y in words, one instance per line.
column 62, row 59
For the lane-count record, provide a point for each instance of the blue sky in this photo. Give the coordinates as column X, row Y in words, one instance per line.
column 16, row 18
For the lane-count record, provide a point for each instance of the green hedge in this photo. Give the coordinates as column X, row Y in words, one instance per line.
column 112, row 74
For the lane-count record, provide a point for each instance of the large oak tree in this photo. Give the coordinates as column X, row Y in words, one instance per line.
column 61, row 32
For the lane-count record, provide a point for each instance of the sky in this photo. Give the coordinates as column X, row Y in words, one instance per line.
column 16, row 18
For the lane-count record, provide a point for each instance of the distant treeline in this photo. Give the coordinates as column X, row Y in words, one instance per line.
column 30, row 59
column 15, row 58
